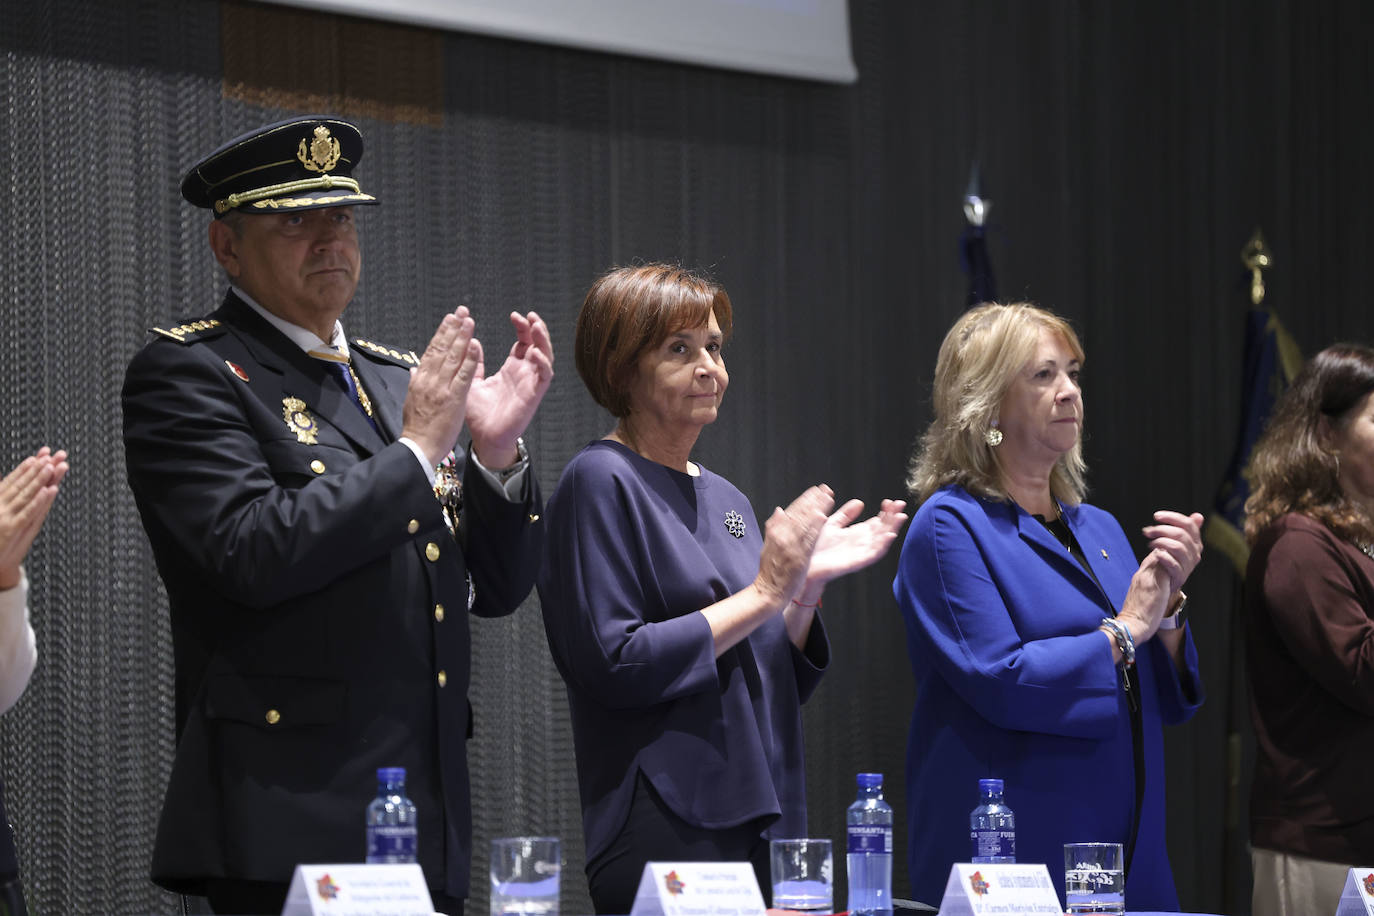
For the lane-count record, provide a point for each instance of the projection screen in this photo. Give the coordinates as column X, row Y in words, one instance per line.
column 806, row 39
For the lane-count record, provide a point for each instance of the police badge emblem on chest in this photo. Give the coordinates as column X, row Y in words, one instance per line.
column 299, row 421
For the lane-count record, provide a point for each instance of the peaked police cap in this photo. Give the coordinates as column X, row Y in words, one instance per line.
column 297, row 164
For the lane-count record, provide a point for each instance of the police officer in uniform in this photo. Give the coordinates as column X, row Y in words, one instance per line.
column 320, row 540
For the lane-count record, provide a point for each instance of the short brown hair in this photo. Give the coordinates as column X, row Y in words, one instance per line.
column 630, row 310
column 1291, row 469
column 978, row 361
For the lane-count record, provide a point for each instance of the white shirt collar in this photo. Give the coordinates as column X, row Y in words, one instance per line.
column 306, row 340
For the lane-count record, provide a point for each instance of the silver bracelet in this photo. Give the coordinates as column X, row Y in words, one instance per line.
column 1124, row 641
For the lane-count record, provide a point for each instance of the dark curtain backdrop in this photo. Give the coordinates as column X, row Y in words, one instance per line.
column 1130, row 148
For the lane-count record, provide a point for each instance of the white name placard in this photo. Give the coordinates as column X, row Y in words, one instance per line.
column 698, row 889
column 358, row 890
column 1000, row 890
column 1357, row 899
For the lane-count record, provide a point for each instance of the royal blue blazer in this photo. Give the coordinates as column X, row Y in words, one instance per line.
column 1014, row 680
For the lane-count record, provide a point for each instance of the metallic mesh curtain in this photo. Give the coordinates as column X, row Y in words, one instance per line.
column 1129, row 148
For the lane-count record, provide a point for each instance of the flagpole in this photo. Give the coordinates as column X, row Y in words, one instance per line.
column 1225, row 530
column 1255, row 256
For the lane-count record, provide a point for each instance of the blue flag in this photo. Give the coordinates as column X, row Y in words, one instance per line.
column 1272, row 359
column 973, row 255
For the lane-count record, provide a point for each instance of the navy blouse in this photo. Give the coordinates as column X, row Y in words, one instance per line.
column 634, row 549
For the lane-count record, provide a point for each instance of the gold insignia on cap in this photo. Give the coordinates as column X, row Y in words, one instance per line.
column 279, row 203
column 299, row 421
column 321, row 154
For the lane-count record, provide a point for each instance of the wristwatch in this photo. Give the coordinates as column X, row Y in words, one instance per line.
column 1178, row 618
column 506, row 473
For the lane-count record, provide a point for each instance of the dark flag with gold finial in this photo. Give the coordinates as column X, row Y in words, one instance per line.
column 973, row 243
column 1271, row 360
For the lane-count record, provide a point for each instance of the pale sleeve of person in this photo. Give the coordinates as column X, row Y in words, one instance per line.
column 18, row 649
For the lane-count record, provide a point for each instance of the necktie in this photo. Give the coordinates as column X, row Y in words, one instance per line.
column 343, row 370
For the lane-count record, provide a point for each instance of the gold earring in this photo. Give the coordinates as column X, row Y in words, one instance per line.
column 993, row 437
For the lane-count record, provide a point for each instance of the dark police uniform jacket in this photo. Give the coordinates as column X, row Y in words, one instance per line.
column 318, row 601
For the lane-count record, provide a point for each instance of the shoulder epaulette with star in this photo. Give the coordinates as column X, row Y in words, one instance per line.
column 404, row 358
column 192, row 331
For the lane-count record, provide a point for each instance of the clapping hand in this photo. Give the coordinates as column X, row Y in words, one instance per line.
column 440, row 387
column 26, row 495
column 845, row 547
column 1177, row 538
column 500, row 406
column 1175, row 548
column 789, row 541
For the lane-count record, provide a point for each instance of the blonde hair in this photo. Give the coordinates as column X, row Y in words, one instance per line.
column 979, row 359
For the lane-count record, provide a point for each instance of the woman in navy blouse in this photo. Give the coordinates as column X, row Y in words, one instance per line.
column 687, row 633
column 1044, row 654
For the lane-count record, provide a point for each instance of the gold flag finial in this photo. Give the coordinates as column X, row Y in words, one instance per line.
column 1255, row 256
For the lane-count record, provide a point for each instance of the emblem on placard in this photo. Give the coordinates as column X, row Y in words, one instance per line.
column 734, row 523
column 321, row 153
column 978, row 884
column 673, row 884
column 326, row 888
column 1369, row 883
column 299, row 421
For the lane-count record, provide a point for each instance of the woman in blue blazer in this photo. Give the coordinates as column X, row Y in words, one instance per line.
column 1044, row 655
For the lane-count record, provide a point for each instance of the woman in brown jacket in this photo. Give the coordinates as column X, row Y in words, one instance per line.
column 1309, row 597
